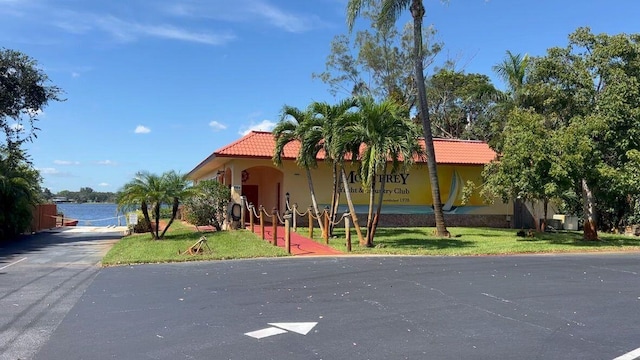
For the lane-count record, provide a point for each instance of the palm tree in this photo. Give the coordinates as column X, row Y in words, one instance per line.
column 145, row 190
column 389, row 14
column 287, row 131
column 329, row 115
column 389, row 138
column 178, row 188
column 513, row 71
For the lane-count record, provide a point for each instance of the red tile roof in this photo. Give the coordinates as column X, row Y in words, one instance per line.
column 260, row 144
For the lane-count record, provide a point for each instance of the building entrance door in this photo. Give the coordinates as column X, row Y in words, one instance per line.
column 250, row 192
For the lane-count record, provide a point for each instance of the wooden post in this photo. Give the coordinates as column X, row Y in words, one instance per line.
column 326, row 226
column 347, row 231
column 243, row 203
column 251, row 216
column 295, row 215
column 274, row 224
column 287, row 231
column 310, row 222
column 262, row 221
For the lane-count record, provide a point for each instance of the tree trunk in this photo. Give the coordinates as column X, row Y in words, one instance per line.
column 156, row 214
column 376, row 217
column 372, row 194
column 174, row 212
column 417, row 12
column 589, row 209
column 352, row 210
column 335, row 199
column 145, row 212
column 545, row 211
column 314, row 202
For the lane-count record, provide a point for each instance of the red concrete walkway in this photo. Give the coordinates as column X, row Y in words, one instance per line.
column 300, row 245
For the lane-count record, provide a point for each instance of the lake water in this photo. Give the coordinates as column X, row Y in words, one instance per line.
column 92, row 214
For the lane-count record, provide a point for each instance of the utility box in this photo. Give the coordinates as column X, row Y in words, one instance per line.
column 569, row 222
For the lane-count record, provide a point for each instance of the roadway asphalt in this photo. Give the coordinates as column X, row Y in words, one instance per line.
column 525, row 307
column 41, row 278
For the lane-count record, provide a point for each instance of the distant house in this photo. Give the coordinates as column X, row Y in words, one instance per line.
column 246, row 167
column 59, row 199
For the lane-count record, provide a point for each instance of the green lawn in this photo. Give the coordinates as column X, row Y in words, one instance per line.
column 476, row 241
column 140, row 248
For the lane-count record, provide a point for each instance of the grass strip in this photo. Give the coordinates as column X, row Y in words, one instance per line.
column 141, row 249
column 467, row 241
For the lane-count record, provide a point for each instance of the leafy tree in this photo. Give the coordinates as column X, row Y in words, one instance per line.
column 461, row 105
column 19, row 192
column 389, row 14
column 24, row 93
column 207, row 207
column 528, row 168
column 589, row 94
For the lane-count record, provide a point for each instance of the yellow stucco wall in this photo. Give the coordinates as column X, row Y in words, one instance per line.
column 405, row 192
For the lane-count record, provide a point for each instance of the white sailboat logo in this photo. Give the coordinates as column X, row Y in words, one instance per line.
column 454, row 192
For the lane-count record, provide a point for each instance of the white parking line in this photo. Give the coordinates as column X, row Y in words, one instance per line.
column 13, row 263
column 631, row 355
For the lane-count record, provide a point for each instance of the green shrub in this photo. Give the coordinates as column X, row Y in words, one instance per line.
column 209, row 205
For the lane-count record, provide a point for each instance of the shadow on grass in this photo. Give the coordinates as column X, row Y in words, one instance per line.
column 575, row 239
column 413, row 243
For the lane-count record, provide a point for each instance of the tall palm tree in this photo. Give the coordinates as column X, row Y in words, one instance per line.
column 145, row 190
column 513, row 71
column 178, row 188
column 287, row 131
column 330, row 115
column 389, row 138
column 389, row 14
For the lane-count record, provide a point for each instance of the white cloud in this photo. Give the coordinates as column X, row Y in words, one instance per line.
column 216, row 126
column 130, row 31
column 107, row 163
column 103, row 184
column 140, row 129
column 264, row 125
column 53, row 172
column 66, row 162
column 75, row 74
column 252, row 11
column 48, row 171
column 279, row 18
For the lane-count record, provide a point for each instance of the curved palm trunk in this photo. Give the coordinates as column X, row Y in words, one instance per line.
column 372, row 195
column 156, row 214
column 335, row 199
column 313, row 200
column 352, row 210
column 417, row 12
column 376, row 217
column 589, row 208
column 145, row 212
column 174, row 212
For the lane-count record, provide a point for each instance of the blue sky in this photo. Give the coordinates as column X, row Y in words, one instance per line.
column 158, row 85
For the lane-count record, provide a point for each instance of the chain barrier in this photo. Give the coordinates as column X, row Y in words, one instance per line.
column 341, row 219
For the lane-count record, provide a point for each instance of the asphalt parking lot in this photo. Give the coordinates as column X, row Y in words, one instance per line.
column 525, row 307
